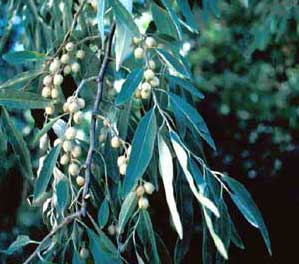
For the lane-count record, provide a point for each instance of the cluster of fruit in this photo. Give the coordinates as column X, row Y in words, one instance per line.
column 145, row 188
column 57, row 69
column 150, row 79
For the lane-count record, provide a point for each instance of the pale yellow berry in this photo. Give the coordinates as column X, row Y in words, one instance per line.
column 149, row 187
column 69, row 46
column 64, row 160
column 138, row 53
column 152, row 64
column 46, row 92
column 54, row 66
column 67, row 146
column 81, row 102
column 47, row 81
column 102, row 138
column 50, row 110
column 65, row 58
column 145, row 94
column 67, row 69
column 84, row 253
column 155, row 82
column 115, row 142
column 76, row 152
column 140, row 191
column 121, row 160
column 43, row 143
column 57, row 141
column 80, row 181
column 123, row 169
column 150, row 42
column 54, row 93
column 138, row 94
column 70, row 133
column 94, row 4
column 129, row 149
column 136, row 40
column 74, row 169
column 78, row 117
column 106, row 123
column 146, row 86
column 143, row 203
column 58, row 79
column 111, row 230
column 75, row 67
column 70, row 99
column 66, row 106
column 73, row 107
column 149, row 74
column 80, row 54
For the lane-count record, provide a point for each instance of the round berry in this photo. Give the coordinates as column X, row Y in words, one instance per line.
column 115, row 142
column 143, row 203
column 65, row 58
column 70, row 46
column 70, row 133
column 123, row 169
column 138, row 53
column 67, row 69
column 78, row 117
column 137, row 94
column 106, row 123
column 57, row 141
column 67, row 146
column 111, row 230
column 155, row 82
column 47, row 81
column 64, row 160
column 80, row 181
column 136, row 40
column 150, row 42
column 76, row 152
column 80, row 54
column 50, row 110
column 152, row 64
column 73, row 107
column 75, row 67
column 46, row 91
column 81, row 102
column 121, row 160
column 58, row 79
column 74, row 169
column 84, row 253
column 140, row 191
column 65, row 107
column 149, row 187
column 102, row 138
column 149, row 74
column 54, row 66
column 146, row 86
column 54, row 93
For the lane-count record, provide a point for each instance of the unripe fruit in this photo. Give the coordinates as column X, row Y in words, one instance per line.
column 152, row 64
column 67, row 146
column 149, row 187
column 136, row 40
column 146, row 86
column 140, row 191
column 47, row 81
column 80, row 181
column 80, row 54
column 58, row 79
column 54, row 93
column 57, row 141
column 111, row 230
column 143, row 203
column 138, row 94
column 73, row 169
column 76, row 152
column 129, row 149
column 54, row 66
column 73, row 107
column 115, row 142
column 84, row 253
column 65, row 58
column 46, row 91
column 70, row 133
column 155, row 82
column 149, row 74
column 78, row 117
column 69, row 46
column 102, row 138
column 138, row 53
column 106, row 123
column 75, row 67
column 50, row 110
column 64, row 160
column 123, row 169
column 67, row 69
column 150, row 42
column 145, row 94
column 121, row 160
column 43, row 143
column 66, row 107
column 81, row 102
column 94, row 4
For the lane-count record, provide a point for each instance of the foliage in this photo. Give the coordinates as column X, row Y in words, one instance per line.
column 119, row 121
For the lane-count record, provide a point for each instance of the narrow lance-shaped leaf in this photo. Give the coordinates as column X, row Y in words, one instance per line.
column 100, row 19
column 183, row 160
column 126, row 211
column 76, row 258
column 243, row 200
column 23, row 100
column 18, row 144
column 129, row 86
column 46, row 172
column 20, row 242
column 20, row 78
column 193, row 117
column 187, row 13
column 62, row 194
column 103, row 214
column 166, row 171
column 19, row 57
column 142, row 150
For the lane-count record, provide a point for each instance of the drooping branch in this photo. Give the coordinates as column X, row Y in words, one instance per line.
column 88, row 163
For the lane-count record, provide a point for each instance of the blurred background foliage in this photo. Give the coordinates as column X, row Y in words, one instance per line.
column 245, row 60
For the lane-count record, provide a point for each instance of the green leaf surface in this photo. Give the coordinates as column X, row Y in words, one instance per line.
column 76, row 258
column 123, row 17
column 173, row 16
column 129, row 86
column 23, row 100
column 19, row 57
column 62, row 194
column 18, row 144
column 187, row 13
column 46, row 172
column 193, row 117
column 103, row 213
column 20, row 78
column 126, row 210
column 243, row 200
column 142, row 150
column 173, row 63
column 20, row 242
